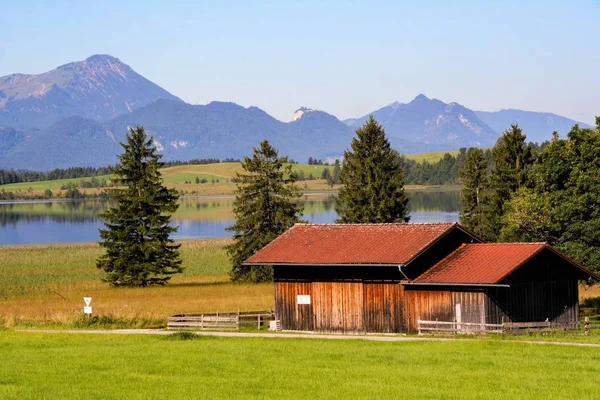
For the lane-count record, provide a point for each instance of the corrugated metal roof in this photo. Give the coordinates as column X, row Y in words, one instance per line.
column 314, row 244
column 485, row 263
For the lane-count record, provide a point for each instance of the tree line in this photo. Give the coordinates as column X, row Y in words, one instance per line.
column 11, row 176
column 548, row 193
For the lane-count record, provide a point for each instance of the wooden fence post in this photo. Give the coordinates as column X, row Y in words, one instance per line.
column 586, row 326
column 259, row 322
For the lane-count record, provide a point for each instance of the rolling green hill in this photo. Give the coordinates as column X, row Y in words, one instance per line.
column 432, row 157
column 221, row 172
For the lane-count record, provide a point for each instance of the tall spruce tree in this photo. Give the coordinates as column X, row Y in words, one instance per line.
column 475, row 187
column 373, row 180
column 139, row 251
column 263, row 208
column 513, row 159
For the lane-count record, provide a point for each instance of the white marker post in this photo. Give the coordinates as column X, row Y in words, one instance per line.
column 87, row 309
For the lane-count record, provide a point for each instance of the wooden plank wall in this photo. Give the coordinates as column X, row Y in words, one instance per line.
column 295, row 317
column 426, row 305
column 341, row 307
column 383, row 307
column 338, row 307
column 472, row 305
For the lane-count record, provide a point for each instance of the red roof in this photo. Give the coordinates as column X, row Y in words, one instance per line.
column 315, row 244
column 485, row 263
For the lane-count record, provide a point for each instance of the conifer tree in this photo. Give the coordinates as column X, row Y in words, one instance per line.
column 475, row 184
column 263, row 208
column 513, row 159
column 335, row 177
column 373, row 180
column 139, row 251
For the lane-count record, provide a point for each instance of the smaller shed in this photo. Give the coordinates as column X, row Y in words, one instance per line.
column 493, row 283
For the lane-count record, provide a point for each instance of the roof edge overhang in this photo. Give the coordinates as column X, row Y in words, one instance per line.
column 280, row 264
column 455, row 284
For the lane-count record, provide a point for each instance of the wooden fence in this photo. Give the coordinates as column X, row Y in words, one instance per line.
column 220, row 321
column 453, row 327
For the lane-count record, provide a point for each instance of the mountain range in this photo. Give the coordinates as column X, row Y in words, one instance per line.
column 77, row 114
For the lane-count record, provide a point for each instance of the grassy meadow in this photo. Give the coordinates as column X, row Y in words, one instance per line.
column 44, row 285
column 218, row 177
column 76, row 366
column 431, row 157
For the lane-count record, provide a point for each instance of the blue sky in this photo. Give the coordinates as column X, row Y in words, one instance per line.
column 347, row 58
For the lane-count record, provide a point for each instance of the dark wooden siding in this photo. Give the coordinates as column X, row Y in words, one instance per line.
column 557, row 301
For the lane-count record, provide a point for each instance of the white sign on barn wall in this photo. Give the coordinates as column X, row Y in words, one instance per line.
column 303, row 299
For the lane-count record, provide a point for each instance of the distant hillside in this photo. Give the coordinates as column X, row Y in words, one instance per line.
column 72, row 142
column 538, row 126
column 433, row 123
column 76, row 115
column 99, row 88
column 181, row 132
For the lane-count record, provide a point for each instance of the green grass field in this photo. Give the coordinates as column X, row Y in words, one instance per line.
column 52, row 185
column 64, row 366
column 431, row 157
column 173, row 176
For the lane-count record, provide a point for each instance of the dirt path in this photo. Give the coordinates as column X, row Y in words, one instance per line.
column 377, row 338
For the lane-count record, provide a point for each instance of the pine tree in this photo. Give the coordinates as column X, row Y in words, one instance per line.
column 138, row 249
column 264, row 209
column 475, row 183
column 326, row 174
column 335, row 177
column 513, row 159
column 373, row 180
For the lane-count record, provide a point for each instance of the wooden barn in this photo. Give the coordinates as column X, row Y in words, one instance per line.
column 346, row 278
column 383, row 278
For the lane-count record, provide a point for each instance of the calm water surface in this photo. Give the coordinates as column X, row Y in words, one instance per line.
column 31, row 222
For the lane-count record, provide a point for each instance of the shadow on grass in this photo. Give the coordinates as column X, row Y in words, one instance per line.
column 187, row 335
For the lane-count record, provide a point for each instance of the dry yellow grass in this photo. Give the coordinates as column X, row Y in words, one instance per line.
column 154, row 303
column 46, row 284
column 586, row 292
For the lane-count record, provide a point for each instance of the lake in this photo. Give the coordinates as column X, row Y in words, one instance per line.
column 36, row 222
